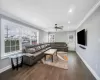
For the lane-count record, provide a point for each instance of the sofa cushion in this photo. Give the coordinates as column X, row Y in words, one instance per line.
column 42, row 46
column 29, row 55
column 45, row 45
column 30, row 50
column 48, row 45
column 37, row 53
column 38, row 48
column 43, row 50
column 47, row 48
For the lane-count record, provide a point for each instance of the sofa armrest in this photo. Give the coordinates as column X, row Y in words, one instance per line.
column 28, row 54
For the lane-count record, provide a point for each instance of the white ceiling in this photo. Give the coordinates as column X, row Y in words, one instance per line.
column 46, row 13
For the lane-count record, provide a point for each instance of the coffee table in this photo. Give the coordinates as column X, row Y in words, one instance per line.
column 50, row 52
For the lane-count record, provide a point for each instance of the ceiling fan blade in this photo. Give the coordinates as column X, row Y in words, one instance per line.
column 58, row 27
column 61, row 26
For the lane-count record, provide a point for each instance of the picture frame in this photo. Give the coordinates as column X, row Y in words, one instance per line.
column 70, row 37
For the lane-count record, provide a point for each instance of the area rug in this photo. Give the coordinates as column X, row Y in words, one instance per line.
column 60, row 61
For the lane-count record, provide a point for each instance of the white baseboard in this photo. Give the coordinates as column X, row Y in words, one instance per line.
column 5, row 68
column 91, row 70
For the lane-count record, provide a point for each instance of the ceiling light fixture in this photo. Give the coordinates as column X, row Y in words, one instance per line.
column 70, row 10
column 69, row 22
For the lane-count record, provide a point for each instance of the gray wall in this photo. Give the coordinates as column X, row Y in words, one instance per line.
column 42, row 38
column 61, row 37
column 64, row 37
column 92, row 53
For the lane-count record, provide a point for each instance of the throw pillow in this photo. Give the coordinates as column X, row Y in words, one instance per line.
column 30, row 50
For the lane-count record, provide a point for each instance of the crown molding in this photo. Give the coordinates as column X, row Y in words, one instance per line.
column 89, row 14
column 4, row 13
column 21, row 20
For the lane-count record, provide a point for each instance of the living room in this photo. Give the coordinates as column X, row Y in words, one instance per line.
column 49, row 40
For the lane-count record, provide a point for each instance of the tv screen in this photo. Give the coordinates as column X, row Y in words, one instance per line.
column 81, row 37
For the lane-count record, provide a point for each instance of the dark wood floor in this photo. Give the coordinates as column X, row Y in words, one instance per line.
column 76, row 71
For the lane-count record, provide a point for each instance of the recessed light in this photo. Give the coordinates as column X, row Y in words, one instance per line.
column 70, row 10
column 69, row 22
column 35, row 20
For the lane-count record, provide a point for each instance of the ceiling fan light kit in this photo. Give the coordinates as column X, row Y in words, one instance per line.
column 58, row 27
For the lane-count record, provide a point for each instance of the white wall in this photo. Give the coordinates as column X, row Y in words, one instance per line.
column 64, row 37
column 43, row 36
column 72, row 44
column 4, row 63
column 92, row 53
column 61, row 37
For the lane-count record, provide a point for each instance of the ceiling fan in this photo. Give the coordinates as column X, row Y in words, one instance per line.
column 58, row 27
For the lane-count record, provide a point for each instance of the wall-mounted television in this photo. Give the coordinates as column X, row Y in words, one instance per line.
column 82, row 37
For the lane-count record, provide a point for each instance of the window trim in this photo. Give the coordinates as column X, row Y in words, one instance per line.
column 6, row 55
column 3, row 54
column 3, row 21
column 12, row 46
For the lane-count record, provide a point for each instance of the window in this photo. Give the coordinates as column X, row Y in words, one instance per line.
column 29, row 36
column 15, row 37
column 12, row 38
column 34, row 38
column 11, row 45
column 51, row 37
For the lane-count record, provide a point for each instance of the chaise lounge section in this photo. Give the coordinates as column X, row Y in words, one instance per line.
column 34, row 53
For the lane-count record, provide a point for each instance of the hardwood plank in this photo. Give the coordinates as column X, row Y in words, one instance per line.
column 76, row 71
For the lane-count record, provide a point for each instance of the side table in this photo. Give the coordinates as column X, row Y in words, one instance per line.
column 17, row 57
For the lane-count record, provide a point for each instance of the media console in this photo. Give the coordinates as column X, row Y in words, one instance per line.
column 82, row 47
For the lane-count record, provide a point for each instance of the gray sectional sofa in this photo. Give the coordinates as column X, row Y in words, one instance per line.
column 34, row 53
column 60, row 46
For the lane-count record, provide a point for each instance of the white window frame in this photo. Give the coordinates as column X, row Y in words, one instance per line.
column 6, row 55
column 3, row 54
column 34, row 31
